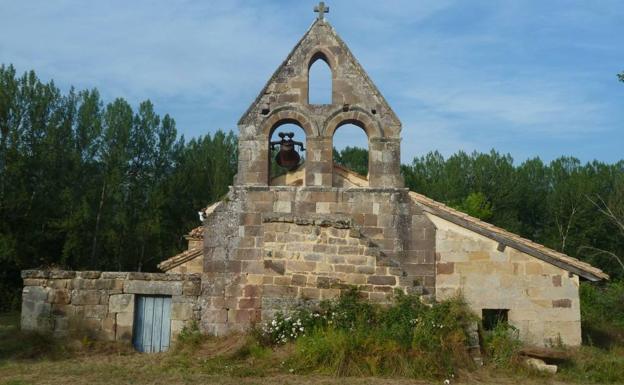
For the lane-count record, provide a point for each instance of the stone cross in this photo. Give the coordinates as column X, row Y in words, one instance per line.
column 322, row 10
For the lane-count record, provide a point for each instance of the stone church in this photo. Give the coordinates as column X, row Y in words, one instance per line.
column 275, row 243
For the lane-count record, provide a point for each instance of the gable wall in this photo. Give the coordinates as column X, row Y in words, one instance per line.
column 542, row 299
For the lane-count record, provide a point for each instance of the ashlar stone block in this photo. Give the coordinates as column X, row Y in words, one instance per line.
column 121, row 303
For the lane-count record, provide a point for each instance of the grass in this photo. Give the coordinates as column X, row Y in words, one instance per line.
column 347, row 342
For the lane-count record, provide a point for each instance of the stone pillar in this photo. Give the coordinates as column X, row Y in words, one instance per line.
column 253, row 162
column 384, row 163
column 318, row 163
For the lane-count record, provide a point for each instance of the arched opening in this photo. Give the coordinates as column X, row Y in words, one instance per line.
column 319, row 80
column 286, row 157
column 350, row 150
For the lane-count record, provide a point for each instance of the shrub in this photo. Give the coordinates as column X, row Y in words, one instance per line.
column 602, row 313
column 189, row 336
column 501, row 345
column 594, row 365
column 351, row 336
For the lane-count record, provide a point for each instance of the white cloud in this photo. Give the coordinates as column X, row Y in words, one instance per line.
column 460, row 75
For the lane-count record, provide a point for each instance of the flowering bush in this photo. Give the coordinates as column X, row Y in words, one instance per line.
column 284, row 328
column 351, row 336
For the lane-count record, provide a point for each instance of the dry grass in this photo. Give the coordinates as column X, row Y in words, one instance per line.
column 230, row 361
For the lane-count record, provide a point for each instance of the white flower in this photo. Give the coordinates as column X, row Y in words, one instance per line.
column 447, row 382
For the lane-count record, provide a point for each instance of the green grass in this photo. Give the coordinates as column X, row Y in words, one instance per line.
column 349, row 342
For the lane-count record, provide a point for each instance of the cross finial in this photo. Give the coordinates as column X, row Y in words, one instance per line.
column 322, row 10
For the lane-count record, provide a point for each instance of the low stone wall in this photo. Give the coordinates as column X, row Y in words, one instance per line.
column 102, row 303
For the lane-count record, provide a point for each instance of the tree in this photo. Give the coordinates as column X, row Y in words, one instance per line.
column 613, row 210
column 353, row 158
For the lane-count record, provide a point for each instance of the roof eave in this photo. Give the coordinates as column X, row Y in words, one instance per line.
column 591, row 276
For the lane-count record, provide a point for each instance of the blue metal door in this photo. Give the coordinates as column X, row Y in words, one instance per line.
column 152, row 323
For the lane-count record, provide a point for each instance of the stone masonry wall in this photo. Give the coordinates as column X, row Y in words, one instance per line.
column 267, row 248
column 355, row 100
column 542, row 299
column 102, row 303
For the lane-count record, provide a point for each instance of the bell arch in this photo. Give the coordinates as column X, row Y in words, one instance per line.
column 384, row 158
column 278, row 118
column 291, row 115
column 356, row 116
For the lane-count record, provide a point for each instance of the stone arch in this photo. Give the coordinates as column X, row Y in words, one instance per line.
column 314, row 56
column 354, row 115
column 323, row 54
column 278, row 117
column 285, row 115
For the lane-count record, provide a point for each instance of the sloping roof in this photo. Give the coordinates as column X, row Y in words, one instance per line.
column 179, row 259
column 196, row 234
column 507, row 238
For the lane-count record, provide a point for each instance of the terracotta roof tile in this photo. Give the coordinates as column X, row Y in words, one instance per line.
column 196, row 234
column 179, row 259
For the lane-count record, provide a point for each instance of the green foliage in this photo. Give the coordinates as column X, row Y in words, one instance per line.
column 476, row 205
column 353, row 158
column 26, row 345
column 602, row 313
column 594, row 365
column 189, row 337
column 88, row 185
column 350, row 336
column 502, row 345
column 548, row 203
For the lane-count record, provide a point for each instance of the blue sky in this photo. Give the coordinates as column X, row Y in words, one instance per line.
column 532, row 78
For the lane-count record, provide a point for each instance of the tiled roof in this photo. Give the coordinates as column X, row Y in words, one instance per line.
column 196, row 234
column 507, row 238
column 179, row 259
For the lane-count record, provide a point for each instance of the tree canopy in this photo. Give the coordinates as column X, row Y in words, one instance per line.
column 86, row 184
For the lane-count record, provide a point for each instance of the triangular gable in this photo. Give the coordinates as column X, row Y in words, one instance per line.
column 348, row 77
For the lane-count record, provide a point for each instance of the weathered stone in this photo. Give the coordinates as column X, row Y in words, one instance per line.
column 95, row 311
column 60, row 296
column 36, row 315
column 124, row 320
column 381, row 280
column 192, row 288
column 540, row 366
column 153, row 287
column 35, row 274
column 88, row 274
column 566, row 302
column 181, row 311
column 85, row 297
column 34, row 281
column 445, row 268
column 35, row 293
column 121, row 303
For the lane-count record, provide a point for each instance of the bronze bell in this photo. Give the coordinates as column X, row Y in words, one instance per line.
column 287, row 157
